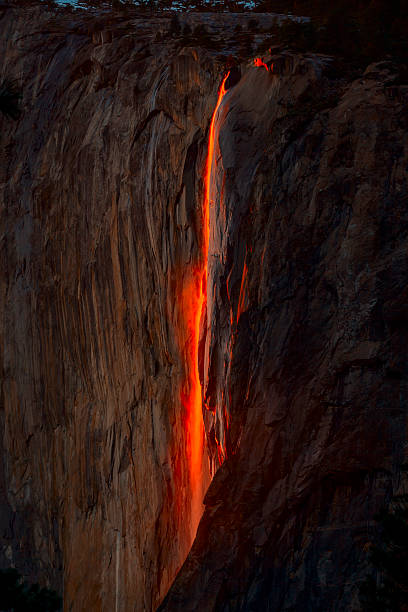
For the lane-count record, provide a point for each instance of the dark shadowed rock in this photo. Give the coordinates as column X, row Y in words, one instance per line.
column 303, row 346
column 304, row 341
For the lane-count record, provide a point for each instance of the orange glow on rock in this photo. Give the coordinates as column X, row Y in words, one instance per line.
column 207, row 204
column 208, row 173
column 258, row 62
column 243, row 291
column 193, row 303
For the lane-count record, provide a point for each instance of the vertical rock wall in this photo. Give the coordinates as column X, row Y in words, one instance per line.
column 306, row 366
column 100, row 235
column 303, row 345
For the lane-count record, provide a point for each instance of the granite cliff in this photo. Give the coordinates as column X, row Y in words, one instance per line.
column 301, row 354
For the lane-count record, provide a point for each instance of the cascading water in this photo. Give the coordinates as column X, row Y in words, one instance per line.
column 194, row 300
column 258, row 62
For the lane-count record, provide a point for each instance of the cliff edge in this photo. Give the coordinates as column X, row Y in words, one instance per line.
column 302, row 356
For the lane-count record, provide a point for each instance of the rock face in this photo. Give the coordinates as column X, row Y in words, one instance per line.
column 307, row 314
column 302, row 355
column 100, row 238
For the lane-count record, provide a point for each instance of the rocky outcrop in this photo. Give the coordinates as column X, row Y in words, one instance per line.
column 302, row 357
column 307, row 314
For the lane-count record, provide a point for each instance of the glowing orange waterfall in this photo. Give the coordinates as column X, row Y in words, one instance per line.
column 194, row 301
column 208, row 173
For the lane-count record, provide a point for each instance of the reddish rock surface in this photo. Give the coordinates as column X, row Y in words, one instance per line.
column 306, row 336
column 99, row 236
column 303, row 358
